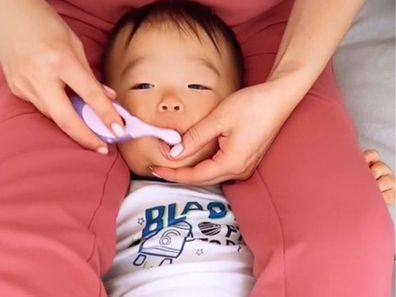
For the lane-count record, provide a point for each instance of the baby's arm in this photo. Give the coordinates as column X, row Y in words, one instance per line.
column 383, row 174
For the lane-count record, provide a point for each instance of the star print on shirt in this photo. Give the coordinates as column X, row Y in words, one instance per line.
column 199, row 252
column 140, row 221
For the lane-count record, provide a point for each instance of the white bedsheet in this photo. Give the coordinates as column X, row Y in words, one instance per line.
column 365, row 70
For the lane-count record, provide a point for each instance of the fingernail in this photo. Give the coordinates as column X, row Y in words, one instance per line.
column 103, row 150
column 176, row 150
column 111, row 92
column 117, row 130
column 156, row 175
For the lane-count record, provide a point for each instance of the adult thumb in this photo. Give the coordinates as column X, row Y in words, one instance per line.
column 196, row 137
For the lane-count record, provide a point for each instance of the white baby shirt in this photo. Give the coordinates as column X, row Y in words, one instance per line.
column 174, row 240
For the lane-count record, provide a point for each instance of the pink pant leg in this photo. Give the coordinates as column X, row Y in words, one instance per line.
column 312, row 213
column 58, row 204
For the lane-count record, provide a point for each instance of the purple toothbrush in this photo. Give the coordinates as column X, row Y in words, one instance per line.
column 134, row 127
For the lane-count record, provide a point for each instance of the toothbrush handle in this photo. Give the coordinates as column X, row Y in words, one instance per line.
column 135, row 127
column 170, row 136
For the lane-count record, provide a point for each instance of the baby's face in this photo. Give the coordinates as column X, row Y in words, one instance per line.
column 169, row 79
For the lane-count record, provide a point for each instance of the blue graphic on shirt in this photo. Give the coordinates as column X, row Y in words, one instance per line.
column 166, row 231
column 167, row 243
column 155, row 216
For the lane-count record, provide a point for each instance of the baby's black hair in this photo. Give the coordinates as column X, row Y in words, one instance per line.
column 181, row 13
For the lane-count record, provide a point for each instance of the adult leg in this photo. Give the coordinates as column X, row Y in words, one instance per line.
column 58, row 204
column 312, row 214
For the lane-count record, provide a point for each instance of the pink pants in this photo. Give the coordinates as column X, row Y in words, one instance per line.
column 312, row 214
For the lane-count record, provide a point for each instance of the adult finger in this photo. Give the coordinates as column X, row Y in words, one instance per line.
column 187, row 175
column 223, row 166
column 157, row 150
column 63, row 114
column 83, row 82
column 109, row 92
column 209, row 171
column 196, row 137
column 78, row 48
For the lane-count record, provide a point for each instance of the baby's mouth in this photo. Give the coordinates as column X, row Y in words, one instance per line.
column 177, row 129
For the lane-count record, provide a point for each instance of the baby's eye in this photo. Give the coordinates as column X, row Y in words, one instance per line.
column 142, row 86
column 198, row 87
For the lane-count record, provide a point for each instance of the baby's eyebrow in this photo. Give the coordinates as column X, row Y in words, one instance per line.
column 207, row 64
column 131, row 64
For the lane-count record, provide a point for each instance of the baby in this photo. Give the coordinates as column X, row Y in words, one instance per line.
column 170, row 65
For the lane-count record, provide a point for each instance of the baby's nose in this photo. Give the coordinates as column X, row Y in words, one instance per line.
column 170, row 105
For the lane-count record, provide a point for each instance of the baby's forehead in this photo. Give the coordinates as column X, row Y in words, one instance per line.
column 221, row 43
column 183, row 38
column 155, row 44
column 187, row 31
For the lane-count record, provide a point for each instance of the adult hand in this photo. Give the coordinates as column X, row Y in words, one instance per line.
column 40, row 55
column 244, row 124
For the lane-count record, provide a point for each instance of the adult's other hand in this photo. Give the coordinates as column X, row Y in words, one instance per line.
column 40, row 55
column 244, row 124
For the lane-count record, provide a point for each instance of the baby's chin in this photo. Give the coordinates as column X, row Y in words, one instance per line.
column 139, row 167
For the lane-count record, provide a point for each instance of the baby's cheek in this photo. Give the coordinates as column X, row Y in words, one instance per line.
column 135, row 157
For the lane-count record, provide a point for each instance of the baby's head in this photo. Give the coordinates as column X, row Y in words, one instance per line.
column 170, row 63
